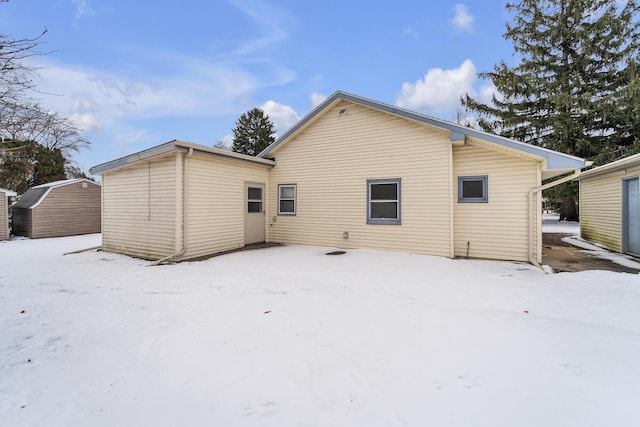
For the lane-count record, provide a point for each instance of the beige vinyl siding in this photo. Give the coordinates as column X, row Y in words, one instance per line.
column 601, row 207
column 139, row 208
column 331, row 161
column 4, row 216
column 216, row 203
column 498, row 229
column 67, row 210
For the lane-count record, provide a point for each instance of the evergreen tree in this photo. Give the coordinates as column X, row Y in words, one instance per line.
column 253, row 133
column 49, row 166
column 576, row 85
column 24, row 164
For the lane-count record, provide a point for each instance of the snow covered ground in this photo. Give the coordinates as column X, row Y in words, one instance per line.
column 551, row 224
column 288, row 336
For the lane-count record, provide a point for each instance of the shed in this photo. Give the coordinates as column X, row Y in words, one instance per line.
column 610, row 205
column 4, row 212
column 61, row 208
column 353, row 173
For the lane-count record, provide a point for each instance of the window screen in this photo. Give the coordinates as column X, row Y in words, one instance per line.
column 473, row 189
column 383, row 201
column 287, row 199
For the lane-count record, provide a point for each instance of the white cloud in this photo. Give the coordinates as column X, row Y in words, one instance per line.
column 282, row 116
column 86, row 122
column 227, row 141
column 317, row 99
column 82, row 8
column 439, row 90
column 126, row 138
column 193, row 88
column 487, row 92
column 267, row 16
column 462, row 19
column 411, row 32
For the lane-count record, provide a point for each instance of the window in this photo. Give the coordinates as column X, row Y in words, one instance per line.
column 286, row 199
column 254, row 200
column 383, row 201
column 472, row 189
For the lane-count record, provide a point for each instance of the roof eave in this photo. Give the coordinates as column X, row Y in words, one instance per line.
column 336, row 96
column 554, row 159
column 8, row 193
column 224, row 153
column 612, row 167
column 171, row 146
column 131, row 158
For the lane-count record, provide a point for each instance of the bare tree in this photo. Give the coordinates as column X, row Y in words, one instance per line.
column 221, row 145
column 23, row 121
column 32, row 122
column 16, row 75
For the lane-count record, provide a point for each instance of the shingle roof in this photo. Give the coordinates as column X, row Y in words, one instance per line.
column 33, row 196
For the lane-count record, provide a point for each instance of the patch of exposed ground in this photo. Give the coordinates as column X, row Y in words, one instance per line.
column 563, row 257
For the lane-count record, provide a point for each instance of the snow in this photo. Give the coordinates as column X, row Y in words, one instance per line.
column 551, row 224
column 599, row 251
column 287, row 336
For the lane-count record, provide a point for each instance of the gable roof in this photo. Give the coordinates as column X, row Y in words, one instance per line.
column 35, row 195
column 613, row 166
column 554, row 161
column 64, row 182
column 177, row 145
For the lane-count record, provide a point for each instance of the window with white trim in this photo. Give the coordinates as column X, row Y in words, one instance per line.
column 287, row 199
column 383, row 201
column 473, row 189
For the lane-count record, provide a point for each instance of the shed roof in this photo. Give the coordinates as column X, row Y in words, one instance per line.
column 33, row 196
column 177, row 145
column 611, row 167
column 7, row 192
column 556, row 163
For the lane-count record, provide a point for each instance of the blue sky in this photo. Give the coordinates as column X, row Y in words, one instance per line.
column 134, row 74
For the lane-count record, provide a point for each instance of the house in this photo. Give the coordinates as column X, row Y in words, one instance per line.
column 61, row 208
column 353, row 173
column 610, row 205
column 181, row 200
column 4, row 212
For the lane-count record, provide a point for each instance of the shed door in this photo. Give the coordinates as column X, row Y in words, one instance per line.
column 254, row 217
column 631, row 215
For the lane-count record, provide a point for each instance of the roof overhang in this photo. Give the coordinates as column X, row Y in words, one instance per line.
column 554, row 163
column 618, row 165
column 177, row 146
column 62, row 183
column 8, row 193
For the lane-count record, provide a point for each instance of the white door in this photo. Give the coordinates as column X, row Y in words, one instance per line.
column 631, row 215
column 254, row 217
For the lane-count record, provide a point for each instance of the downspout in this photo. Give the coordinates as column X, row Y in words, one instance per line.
column 185, row 206
column 452, row 231
column 532, row 257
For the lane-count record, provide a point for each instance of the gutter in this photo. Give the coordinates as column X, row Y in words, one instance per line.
column 532, row 257
column 185, row 206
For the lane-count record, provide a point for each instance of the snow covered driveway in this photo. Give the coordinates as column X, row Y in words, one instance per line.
column 288, row 336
